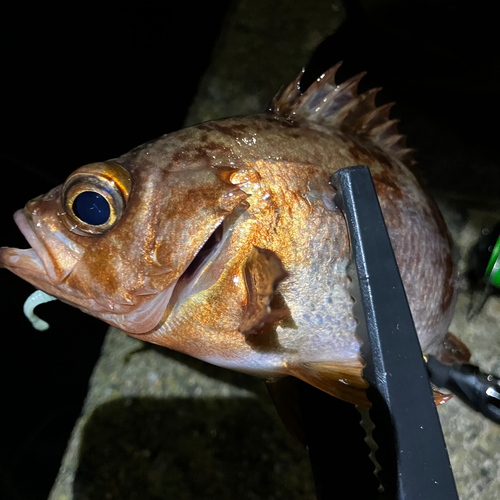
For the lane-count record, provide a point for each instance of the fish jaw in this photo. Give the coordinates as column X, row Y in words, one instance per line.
column 24, row 263
column 127, row 276
column 44, row 269
column 35, row 264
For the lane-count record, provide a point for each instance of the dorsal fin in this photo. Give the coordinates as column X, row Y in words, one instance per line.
column 341, row 107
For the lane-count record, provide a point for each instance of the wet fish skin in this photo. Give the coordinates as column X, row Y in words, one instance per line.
column 272, row 299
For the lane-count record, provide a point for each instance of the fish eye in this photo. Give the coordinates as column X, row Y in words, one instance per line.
column 92, row 208
column 94, row 196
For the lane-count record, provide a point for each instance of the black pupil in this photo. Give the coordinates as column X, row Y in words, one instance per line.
column 91, row 208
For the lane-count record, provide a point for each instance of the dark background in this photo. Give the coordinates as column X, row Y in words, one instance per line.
column 85, row 84
column 79, row 85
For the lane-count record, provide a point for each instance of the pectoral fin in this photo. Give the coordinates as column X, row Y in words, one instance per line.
column 263, row 272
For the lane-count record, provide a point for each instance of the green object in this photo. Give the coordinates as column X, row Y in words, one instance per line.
column 492, row 273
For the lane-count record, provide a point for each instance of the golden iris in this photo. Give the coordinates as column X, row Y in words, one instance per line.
column 94, row 196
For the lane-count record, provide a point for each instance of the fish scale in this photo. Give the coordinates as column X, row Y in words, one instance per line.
column 244, row 299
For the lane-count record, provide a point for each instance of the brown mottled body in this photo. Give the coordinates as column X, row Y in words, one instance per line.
column 284, row 168
column 229, row 247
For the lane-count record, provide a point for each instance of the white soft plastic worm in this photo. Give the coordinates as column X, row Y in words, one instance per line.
column 32, row 301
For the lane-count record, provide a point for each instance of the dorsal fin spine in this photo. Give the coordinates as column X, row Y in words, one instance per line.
column 341, row 107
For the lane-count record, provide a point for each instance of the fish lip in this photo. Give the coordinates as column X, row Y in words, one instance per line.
column 12, row 259
column 25, row 224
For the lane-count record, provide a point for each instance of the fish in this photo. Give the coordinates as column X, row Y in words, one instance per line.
column 223, row 240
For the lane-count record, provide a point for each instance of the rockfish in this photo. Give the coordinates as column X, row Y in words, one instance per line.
column 222, row 240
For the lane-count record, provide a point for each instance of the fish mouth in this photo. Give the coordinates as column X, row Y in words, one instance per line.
column 33, row 262
column 37, row 266
column 50, row 259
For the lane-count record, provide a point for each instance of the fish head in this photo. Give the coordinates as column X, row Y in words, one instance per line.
column 118, row 236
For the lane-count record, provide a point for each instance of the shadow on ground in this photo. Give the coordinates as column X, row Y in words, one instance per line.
column 146, row 448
